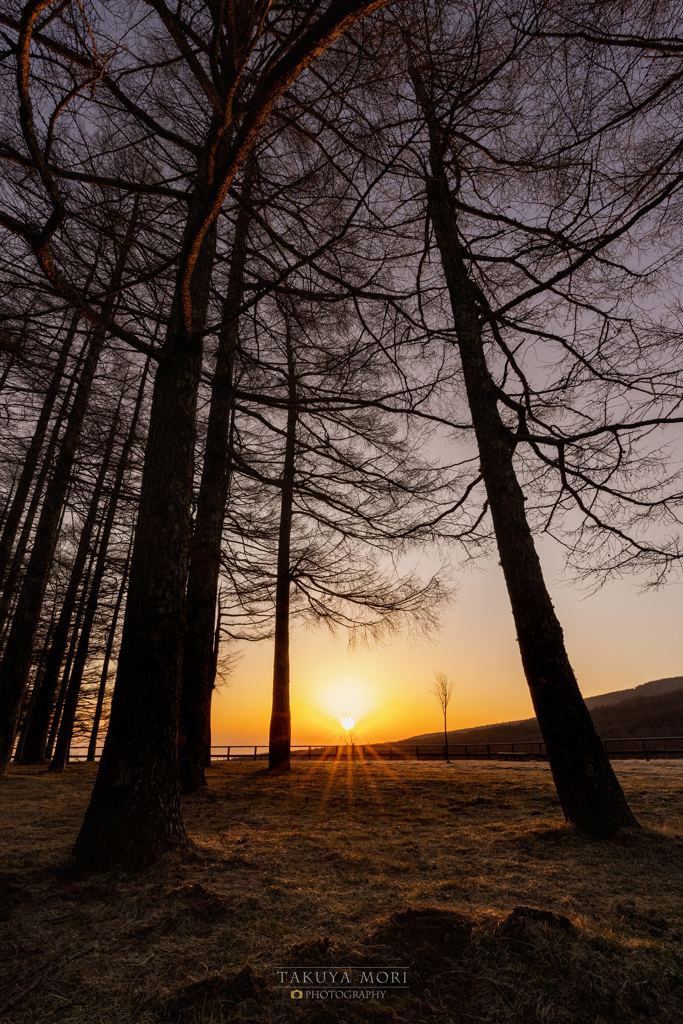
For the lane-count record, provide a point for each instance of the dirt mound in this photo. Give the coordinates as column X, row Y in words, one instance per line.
column 413, row 930
column 202, row 902
column 323, row 951
column 409, row 931
column 212, row 996
column 315, row 951
column 514, row 926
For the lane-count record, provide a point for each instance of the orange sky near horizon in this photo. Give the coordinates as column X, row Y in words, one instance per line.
column 616, row 639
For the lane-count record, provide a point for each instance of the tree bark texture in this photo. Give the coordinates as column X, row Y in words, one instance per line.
column 589, row 792
column 134, row 814
column 198, row 673
column 280, row 738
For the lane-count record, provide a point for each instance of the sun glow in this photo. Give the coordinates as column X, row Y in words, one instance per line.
column 347, row 722
column 335, row 696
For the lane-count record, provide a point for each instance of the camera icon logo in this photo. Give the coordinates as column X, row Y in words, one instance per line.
column 296, row 993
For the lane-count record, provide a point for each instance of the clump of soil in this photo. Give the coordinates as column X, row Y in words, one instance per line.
column 514, row 926
column 213, row 997
column 418, row 930
column 313, row 952
column 202, row 902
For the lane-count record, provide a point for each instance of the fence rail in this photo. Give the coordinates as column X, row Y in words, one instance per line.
column 639, row 747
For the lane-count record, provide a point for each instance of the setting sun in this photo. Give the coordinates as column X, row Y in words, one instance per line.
column 347, row 722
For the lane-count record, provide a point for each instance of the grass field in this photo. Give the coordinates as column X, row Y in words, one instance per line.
column 365, row 866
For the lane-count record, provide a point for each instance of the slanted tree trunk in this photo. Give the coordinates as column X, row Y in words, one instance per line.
column 65, row 713
column 11, row 490
column 280, row 739
column 589, row 792
column 214, row 673
column 22, row 544
column 198, row 675
column 16, row 509
column 66, row 674
column 17, row 656
column 30, row 700
column 12, row 350
column 34, row 750
column 66, row 726
column 134, row 814
column 97, row 717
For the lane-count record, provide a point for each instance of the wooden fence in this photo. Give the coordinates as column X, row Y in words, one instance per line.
column 647, row 747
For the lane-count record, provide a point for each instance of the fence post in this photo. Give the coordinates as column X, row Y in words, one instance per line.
column 227, row 756
column 647, row 756
column 309, row 753
column 255, row 753
column 417, row 753
column 488, row 750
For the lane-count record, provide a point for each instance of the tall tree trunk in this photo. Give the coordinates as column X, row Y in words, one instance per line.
column 12, row 356
column 34, row 750
column 65, row 712
column 281, row 720
column 66, row 674
column 97, row 717
column 17, row 656
column 11, row 490
column 134, row 814
column 31, row 698
column 32, row 455
column 197, row 681
column 66, row 726
column 214, row 673
column 589, row 792
column 445, row 737
column 18, row 559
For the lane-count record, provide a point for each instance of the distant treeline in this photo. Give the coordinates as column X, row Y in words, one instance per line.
column 658, row 715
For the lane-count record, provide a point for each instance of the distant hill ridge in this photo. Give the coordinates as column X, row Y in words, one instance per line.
column 651, row 709
column 656, row 686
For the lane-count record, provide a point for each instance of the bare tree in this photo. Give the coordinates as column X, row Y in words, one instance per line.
column 230, row 64
column 507, row 216
column 442, row 688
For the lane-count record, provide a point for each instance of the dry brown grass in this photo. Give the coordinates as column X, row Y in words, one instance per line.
column 342, row 851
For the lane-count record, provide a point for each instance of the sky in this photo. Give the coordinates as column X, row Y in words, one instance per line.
column 616, row 639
